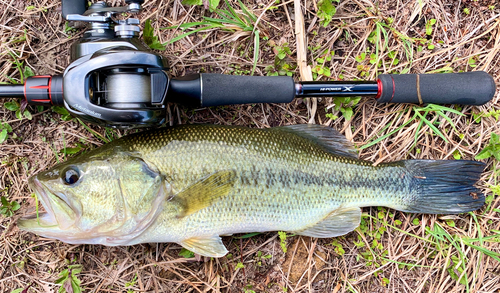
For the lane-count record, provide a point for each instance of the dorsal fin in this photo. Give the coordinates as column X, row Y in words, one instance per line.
column 324, row 136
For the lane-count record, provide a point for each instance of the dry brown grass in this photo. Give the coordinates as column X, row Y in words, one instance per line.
column 310, row 265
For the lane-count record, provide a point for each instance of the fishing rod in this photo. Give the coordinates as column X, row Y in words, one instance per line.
column 115, row 80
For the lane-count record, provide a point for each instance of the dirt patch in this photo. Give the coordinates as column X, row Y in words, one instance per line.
column 302, row 262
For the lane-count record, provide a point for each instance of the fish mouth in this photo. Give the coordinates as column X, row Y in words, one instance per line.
column 48, row 220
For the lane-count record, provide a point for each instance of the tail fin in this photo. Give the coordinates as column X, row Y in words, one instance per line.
column 445, row 187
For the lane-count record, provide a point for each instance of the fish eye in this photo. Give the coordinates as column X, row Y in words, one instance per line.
column 71, row 175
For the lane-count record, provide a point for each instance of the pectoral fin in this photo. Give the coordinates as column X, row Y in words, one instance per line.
column 339, row 222
column 205, row 192
column 206, row 246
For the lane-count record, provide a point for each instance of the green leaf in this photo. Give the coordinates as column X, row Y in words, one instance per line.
column 360, row 58
column 18, row 114
column 7, row 127
column 192, row 32
column 17, row 290
column 27, row 114
column 213, row 4
column 71, row 151
column 28, row 72
column 192, row 2
column 12, row 106
column 64, row 275
column 248, row 235
column 75, row 284
column 60, row 110
column 150, row 39
column 4, row 211
column 347, row 113
column 255, row 50
column 76, row 269
column 428, row 26
column 282, row 235
column 247, row 12
column 484, row 154
column 15, row 206
column 68, row 280
column 492, row 149
column 495, row 138
column 157, row 45
column 186, row 253
column 325, row 12
column 3, row 135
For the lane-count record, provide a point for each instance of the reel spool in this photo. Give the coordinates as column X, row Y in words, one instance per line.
column 128, row 89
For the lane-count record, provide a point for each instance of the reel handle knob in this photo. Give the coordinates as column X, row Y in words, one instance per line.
column 73, row 7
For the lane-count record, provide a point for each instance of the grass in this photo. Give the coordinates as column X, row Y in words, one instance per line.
column 420, row 117
column 390, row 252
column 229, row 19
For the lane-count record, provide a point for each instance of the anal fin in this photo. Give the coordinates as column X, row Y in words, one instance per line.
column 339, row 222
column 206, row 246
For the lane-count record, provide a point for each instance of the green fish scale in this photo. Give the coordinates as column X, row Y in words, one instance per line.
column 284, row 182
column 92, row 216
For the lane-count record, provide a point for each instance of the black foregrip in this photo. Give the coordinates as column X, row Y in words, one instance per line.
column 73, row 7
column 185, row 90
column 467, row 88
column 219, row 89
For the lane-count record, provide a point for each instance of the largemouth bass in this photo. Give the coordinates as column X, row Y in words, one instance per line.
column 189, row 184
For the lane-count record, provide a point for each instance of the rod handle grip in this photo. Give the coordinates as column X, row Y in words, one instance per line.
column 211, row 89
column 219, row 89
column 466, row 88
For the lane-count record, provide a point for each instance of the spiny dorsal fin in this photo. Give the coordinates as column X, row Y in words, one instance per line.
column 339, row 222
column 204, row 192
column 207, row 246
column 325, row 136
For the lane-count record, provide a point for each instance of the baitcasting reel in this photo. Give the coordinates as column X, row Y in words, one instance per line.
column 115, row 80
